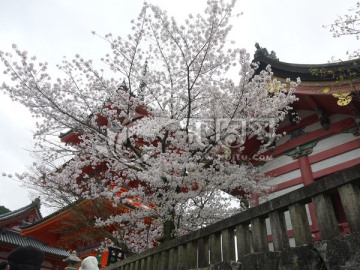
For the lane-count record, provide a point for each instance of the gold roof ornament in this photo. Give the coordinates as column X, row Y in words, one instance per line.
column 326, row 90
column 343, row 98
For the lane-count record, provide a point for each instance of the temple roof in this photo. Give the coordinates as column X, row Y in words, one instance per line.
column 307, row 72
column 331, row 88
column 14, row 238
column 325, row 90
column 34, row 207
column 54, row 214
column 10, row 227
column 72, row 227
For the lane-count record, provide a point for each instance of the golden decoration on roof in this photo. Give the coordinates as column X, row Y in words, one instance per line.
column 344, row 98
column 326, row 90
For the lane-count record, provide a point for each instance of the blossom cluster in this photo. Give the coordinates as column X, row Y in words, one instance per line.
column 129, row 138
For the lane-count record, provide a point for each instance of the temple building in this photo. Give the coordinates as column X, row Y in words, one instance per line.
column 73, row 228
column 11, row 238
column 322, row 131
column 322, row 137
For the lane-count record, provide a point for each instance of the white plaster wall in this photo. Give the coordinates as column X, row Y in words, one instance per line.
column 277, row 162
column 335, row 160
column 333, row 119
column 279, row 193
column 284, row 178
column 332, row 141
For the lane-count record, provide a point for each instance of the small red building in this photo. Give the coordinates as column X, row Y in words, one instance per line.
column 73, row 228
column 11, row 238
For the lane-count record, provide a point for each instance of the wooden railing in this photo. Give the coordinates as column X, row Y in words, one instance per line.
column 216, row 242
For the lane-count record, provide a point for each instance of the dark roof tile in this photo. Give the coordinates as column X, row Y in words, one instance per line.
column 13, row 238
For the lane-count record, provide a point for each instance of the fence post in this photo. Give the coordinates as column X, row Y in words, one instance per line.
column 172, row 258
column 163, row 260
column 278, row 230
column 143, row 264
column 181, row 258
column 243, row 240
column 300, row 224
column 325, row 216
column 191, row 250
column 215, row 247
column 149, row 262
column 259, row 235
column 203, row 252
column 350, row 200
column 228, row 244
column 156, row 260
column 137, row 265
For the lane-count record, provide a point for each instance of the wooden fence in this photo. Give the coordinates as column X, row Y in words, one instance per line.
column 217, row 243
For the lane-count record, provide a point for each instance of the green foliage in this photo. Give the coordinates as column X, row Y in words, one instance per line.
column 338, row 73
column 3, row 210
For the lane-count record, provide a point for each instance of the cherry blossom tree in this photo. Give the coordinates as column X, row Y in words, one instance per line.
column 347, row 25
column 157, row 127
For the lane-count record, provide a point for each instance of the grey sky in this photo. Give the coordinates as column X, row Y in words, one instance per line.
column 51, row 29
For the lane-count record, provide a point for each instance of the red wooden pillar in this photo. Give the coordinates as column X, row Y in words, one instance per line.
column 254, row 200
column 307, row 178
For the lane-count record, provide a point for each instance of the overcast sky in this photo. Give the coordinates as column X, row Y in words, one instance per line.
column 51, row 29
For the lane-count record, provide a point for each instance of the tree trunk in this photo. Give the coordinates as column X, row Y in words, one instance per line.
column 169, row 228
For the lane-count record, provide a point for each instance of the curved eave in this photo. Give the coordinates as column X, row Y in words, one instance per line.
column 310, row 72
column 64, row 219
column 23, row 212
column 55, row 217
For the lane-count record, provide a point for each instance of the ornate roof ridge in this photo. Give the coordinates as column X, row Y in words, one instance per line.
column 268, row 58
column 348, row 69
column 34, row 204
column 59, row 211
